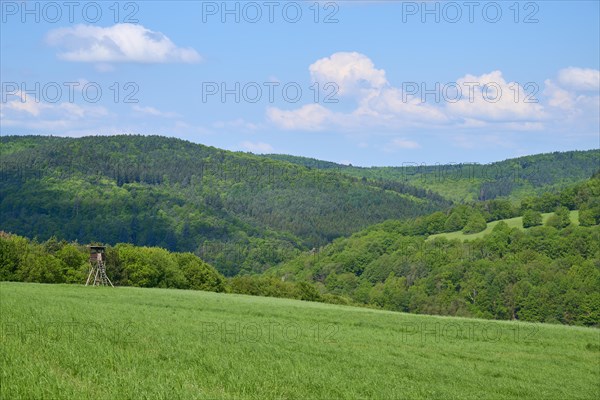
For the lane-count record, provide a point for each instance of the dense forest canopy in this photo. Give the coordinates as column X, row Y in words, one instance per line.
column 156, row 191
column 514, row 178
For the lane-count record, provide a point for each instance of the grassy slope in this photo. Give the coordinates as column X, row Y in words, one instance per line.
column 516, row 222
column 61, row 341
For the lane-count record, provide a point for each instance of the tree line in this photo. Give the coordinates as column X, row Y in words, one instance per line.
column 59, row 261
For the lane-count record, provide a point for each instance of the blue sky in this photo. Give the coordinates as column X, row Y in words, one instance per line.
column 361, row 82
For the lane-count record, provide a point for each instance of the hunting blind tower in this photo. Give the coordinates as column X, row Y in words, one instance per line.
column 97, row 268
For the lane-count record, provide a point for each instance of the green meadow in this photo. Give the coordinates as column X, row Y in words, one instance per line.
column 76, row 342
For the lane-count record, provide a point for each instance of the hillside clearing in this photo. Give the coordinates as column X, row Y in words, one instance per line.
column 516, row 222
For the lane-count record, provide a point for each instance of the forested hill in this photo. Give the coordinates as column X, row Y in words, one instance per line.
column 238, row 211
column 513, row 178
column 539, row 269
column 306, row 161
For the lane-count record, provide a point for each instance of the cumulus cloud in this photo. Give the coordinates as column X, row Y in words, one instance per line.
column 477, row 102
column 394, row 105
column 490, row 97
column 577, row 111
column 573, row 97
column 119, row 43
column 559, row 97
column 580, row 78
column 352, row 72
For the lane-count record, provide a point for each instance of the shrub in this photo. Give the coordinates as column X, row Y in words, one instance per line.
column 454, row 223
column 560, row 219
column 589, row 217
column 475, row 224
column 531, row 218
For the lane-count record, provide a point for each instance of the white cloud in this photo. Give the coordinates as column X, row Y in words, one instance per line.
column 354, row 73
column 401, row 109
column 568, row 106
column 23, row 103
column 311, row 117
column 154, row 112
column 258, row 147
column 75, row 111
column 23, row 111
column 118, row 43
column 489, row 97
column 558, row 97
column 483, row 100
column 580, row 78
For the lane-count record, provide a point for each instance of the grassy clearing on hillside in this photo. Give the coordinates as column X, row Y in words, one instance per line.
column 66, row 341
column 516, row 222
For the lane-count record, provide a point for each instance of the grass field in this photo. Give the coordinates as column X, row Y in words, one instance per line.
column 68, row 341
column 516, row 222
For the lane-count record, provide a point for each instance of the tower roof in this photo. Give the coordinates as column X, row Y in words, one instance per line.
column 97, row 248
